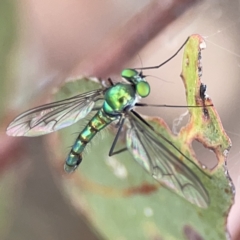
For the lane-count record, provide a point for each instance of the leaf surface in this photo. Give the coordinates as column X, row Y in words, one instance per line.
column 122, row 201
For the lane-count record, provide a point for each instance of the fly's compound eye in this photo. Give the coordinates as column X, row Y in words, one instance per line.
column 129, row 73
column 143, row 89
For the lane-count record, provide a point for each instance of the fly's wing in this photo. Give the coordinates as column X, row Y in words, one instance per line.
column 54, row 116
column 159, row 160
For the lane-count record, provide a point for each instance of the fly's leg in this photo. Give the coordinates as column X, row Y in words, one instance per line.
column 111, row 152
column 105, row 84
column 110, row 81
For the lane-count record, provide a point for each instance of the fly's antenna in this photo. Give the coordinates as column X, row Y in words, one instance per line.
column 140, row 61
column 159, row 78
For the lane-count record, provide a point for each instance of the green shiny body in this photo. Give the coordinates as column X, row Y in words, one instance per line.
column 117, row 99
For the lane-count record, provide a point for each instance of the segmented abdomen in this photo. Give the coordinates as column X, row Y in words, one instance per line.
column 99, row 121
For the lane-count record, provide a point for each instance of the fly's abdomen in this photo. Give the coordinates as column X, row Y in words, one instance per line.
column 97, row 123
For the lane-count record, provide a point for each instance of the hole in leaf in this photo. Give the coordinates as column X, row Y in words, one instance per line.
column 204, row 155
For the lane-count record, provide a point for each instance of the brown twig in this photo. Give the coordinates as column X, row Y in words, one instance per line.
column 127, row 41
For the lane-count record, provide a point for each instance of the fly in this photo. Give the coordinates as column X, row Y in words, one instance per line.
column 118, row 102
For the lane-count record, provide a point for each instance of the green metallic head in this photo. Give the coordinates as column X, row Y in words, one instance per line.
column 129, row 73
column 136, row 78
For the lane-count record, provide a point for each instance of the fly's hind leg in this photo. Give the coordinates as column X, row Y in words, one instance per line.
column 112, row 152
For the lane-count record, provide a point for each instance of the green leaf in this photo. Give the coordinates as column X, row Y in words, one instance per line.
column 11, row 180
column 122, row 201
column 8, row 42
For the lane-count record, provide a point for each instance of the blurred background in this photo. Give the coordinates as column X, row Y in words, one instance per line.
column 42, row 43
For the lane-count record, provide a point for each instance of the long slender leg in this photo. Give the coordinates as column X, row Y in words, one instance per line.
column 142, row 119
column 165, row 105
column 111, row 153
column 158, row 66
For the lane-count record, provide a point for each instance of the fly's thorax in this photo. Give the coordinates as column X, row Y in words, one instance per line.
column 119, row 97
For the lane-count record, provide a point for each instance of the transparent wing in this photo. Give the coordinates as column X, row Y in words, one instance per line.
column 54, row 116
column 155, row 153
